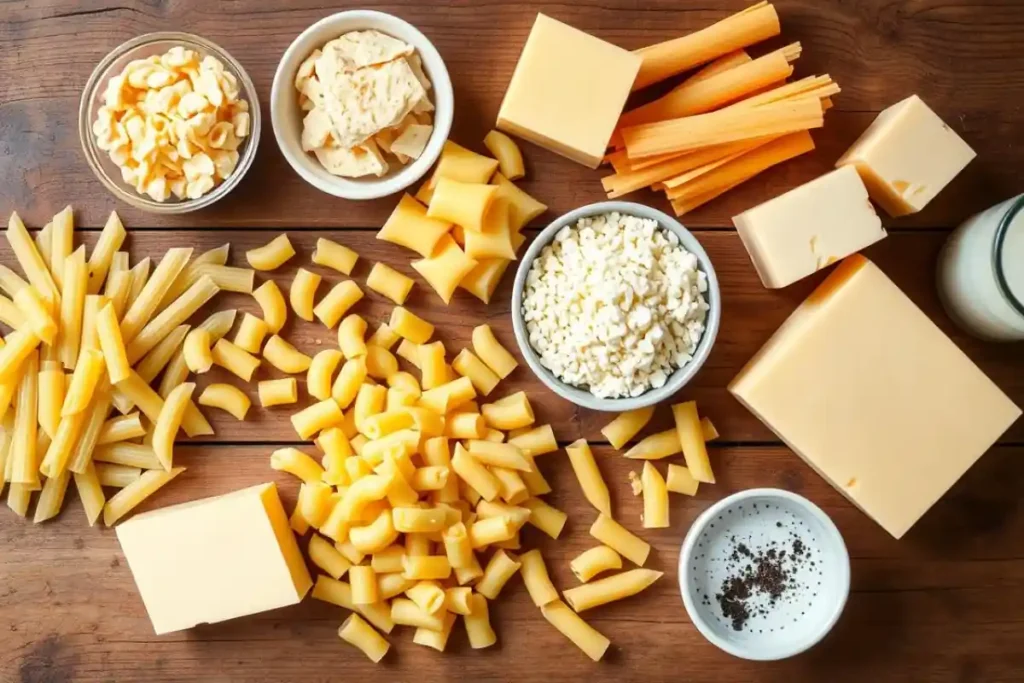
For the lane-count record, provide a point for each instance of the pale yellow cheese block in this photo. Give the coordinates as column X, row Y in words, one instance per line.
column 215, row 559
column 907, row 156
column 809, row 227
column 567, row 91
column 865, row 388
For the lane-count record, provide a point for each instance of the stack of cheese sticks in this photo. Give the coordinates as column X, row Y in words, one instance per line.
column 725, row 124
column 89, row 336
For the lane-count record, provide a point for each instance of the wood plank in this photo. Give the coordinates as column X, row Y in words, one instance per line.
column 751, row 314
column 879, row 52
column 946, row 599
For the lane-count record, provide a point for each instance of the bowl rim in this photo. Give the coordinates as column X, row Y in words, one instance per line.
column 354, row 188
column 128, row 194
column 838, row 545
column 681, row 376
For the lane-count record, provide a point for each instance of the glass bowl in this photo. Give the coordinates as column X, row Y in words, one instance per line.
column 92, row 98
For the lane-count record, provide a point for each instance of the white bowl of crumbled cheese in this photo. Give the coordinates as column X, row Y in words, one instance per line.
column 615, row 306
column 361, row 104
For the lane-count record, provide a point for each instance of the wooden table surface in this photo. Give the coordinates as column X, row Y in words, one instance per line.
column 946, row 603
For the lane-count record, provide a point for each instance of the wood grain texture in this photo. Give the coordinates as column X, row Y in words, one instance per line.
column 943, row 604
column 880, row 51
column 751, row 314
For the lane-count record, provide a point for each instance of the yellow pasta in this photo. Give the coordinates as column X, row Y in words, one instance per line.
column 511, row 412
column 482, row 377
column 350, row 379
column 535, row 482
column 388, row 561
column 143, row 307
column 90, row 492
column 430, row 478
column 392, row 584
column 110, row 240
column 656, row 446
column 536, row 577
column 381, row 424
column 219, row 324
column 128, row 454
column 380, row 363
column 474, row 473
column 355, row 631
column 410, row 227
column 470, row 574
column 122, row 428
column 364, row 585
column 337, row 302
column 445, row 267
column 595, row 490
column 351, row 336
column 409, row 326
column 510, row 159
column 271, row 255
column 449, row 396
column 426, row 567
column 614, row 535
column 407, row 613
column 24, row 456
column 117, row 291
column 679, row 480
column 51, row 498
column 20, row 345
column 429, row 596
column 490, row 530
column 655, row 498
column 235, row 360
column 139, row 394
column 321, row 370
column 180, row 310
column 478, row 623
column 610, row 589
column 162, row 354
column 229, row 279
column 228, row 398
column 61, row 244
column 251, row 333
column 465, row 426
column 125, row 500
column 285, row 357
column 432, row 365
column 336, row 256
column 590, row 563
column 116, row 476
column 491, row 352
column 409, row 351
column 114, row 355
column 377, row 535
column 437, row 640
column 325, row 556
column 385, row 280
column 140, row 276
column 545, row 517
column 483, row 280
column 45, row 246
column 30, row 260
column 303, row 292
column 384, row 337
column 417, row 545
column 461, row 203
column 535, row 441
column 523, row 207
column 495, row 240
column 72, row 303
column 10, row 314
column 572, row 626
column 418, row 520
column 271, row 302
column 691, row 441
column 498, row 454
column 297, row 463
column 511, row 486
column 369, row 401
column 190, row 273
column 51, row 386
column 316, row 417
column 626, row 425
column 169, row 421
column 83, row 383
column 37, row 314
column 196, row 348
column 499, row 570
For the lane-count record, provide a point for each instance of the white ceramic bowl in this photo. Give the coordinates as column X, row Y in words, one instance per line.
column 818, row 570
column 680, row 377
column 286, row 115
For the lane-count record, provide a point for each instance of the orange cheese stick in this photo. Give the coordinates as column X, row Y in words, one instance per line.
column 717, row 90
column 812, row 86
column 675, row 56
column 728, row 125
column 690, row 176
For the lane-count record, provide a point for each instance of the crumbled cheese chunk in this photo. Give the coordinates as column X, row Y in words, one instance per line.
column 635, row 483
column 615, row 304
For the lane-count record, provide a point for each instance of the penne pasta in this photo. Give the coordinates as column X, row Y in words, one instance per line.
column 140, row 276
column 474, row 473
column 36, row 314
column 610, row 589
column 31, row 261
column 112, row 345
column 303, row 292
column 271, row 302
column 449, row 396
column 72, row 304
column 614, row 535
column 572, row 626
column 468, row 365
column 116, row 476
column 162, row 354
column 363, row 581
column 129, row 455
column 409, row 226
column 83, row 383
column 535, row 441
column 334, row 255
column 61, row 244
column 626, row 425
column 271, row 255
column 128, row 498
column 228, row 398
column 123, row 428
column 180, row 310
column 169, row 421
column 590, row 563
column 285, row 357
column 679, row 480
column 690, row 435
column 511, row 412
column 545, row 517
column 18, row 347
column 498, row 454
column 384, row 337
column 110, row 240
column 144, row 306
column 595, row 490
column 51, row 388
column 355, row 631
column 90, row 493
column 655, row 498
column 325, row 556
column 536, row 577
column 656, row 446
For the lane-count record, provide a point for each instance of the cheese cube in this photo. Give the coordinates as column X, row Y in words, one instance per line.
column 809, row 227
column 907, row 156
column 865, row 388
column 568, row 91
column 214, row 559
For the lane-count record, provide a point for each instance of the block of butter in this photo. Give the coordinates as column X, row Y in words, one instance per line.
column 214, row 559
column 568, row 91
column 907, row 156
column 866, row 389
column 809, row 227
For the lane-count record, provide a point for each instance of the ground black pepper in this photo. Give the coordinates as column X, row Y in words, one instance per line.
column 762, row 572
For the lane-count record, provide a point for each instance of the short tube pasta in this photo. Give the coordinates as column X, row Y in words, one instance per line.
column 478, row 623
column 536, row 577
column 498, row 454
column 121, row 428
column 350, row 379
column 691, row 441
column 271, row 302
column 385, row 280
column 409, row 226
column 426, row 567
column 375, row 536
column 536, row 441
column 336, row 303
column 510, row 159
column 198, row 344
column 614, row 535
column 545, row 517
column 590, row 563
column 334, row 255
column 114, row 355
column 499, row 570
column 251, row 333
column 491, row 352
column 595, row 490
column 449, row 396
column 169, row 421
column 610, row 589
column 351, row 337
column 363, row 580
column 285, row 357
column 303, row 292
column 432, row 365
column 465, row 426
column 235, row 360
column 483, row 378
column 320, row 373
column 656, row 446
column 572, row 626
column 83, row 383
column 418, row 520
column 271, row 255
column 679, row 480
column 409, row 326
column 511, row 412
column 428, row 596
column 655, row 498
column 405, row 612
column 474, row 473
column 297, row 463
column 380, row 363
column 626, row 425
column 316, row 417
column 325, row 556
column 228, row 398
column 125, row 500
column 355, row 631
column 445, row 268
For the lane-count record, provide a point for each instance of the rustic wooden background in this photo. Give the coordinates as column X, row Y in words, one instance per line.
column 946, row 603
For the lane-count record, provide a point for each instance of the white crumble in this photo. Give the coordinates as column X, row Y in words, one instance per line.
column 615, row 304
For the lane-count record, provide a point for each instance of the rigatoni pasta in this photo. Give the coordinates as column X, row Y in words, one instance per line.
column 385, row 280
column 626, row 425
column 337, row 302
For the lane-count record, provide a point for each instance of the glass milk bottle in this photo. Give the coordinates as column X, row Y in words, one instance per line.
column 981, row 273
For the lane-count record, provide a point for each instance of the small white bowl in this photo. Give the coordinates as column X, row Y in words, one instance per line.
column 286, row 115
column 819, row 573
column 679, row 378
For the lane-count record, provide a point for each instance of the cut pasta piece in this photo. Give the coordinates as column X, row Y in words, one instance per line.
column 197, row 349
column 655, row 498
column 510, row 159
column 571, row 625
column 321, row 371
column 285, row 357
column 385, row 280
column 590, row 563
column 144, row 306
column 351, row 336
column 272, row 255
column 128, row 498
column 410, row 326
column 461, row 203
column 167, row 423
column 72, row 304
column 180, row 310
column 251, row 333
column 484, row 278
column 614, row 535
column 445, row 268
column 271, row 302
column 334, row 255
column 610, row 589
column 410, row 227
column 302, row 293
column 228, row 398
column 332, row 307
column 235, row 360
column 522, row 207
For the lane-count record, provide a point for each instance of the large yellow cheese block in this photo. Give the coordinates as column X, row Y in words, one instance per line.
column 865, row 388
column 809, row 227
column 568, row 91
column 215, row 559
column 906, row 156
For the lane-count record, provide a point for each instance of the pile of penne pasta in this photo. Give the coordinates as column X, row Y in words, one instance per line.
column 89, row 335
